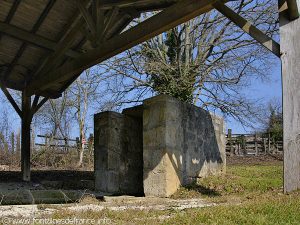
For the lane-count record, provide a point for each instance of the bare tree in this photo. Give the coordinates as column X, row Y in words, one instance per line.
column 208, row 61
column 83, row 93
column 55, row 116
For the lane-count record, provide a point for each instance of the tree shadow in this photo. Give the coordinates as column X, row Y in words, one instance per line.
column 202, row 190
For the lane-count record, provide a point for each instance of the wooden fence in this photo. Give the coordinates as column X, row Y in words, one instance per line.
column 65, row 143
column 252, row 144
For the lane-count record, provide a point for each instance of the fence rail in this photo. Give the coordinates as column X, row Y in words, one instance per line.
column 66, row 143
column 252, row 144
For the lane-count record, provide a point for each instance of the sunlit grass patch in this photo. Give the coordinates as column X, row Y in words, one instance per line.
column 240, row 180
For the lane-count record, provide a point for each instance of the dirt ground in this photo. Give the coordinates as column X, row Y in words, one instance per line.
column 254, row 160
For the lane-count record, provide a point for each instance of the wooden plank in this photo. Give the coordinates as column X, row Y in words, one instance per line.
column 34, row 39
column 35, row 28
column 57, row 57
column 246, row 26
column 290, row 47
column 64, row 44
column 165, row 20
column 11, row 13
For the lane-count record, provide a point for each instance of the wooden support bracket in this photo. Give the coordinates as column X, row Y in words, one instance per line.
column 11, row 99
column 250, row 29
column 293, row 9
column 176, row 14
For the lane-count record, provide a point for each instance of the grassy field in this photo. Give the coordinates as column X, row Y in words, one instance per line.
column 247, row 194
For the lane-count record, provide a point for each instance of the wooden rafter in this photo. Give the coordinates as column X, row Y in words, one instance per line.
column 111, row 19
column 31, row 38
column 108, row 4
column 99, row 16
column 95, row 21
column 87, row 17
column 54, row 59
column 163, row 21
column 34, row 30
column 250, row 29
column 11, row 13
column 120, row 24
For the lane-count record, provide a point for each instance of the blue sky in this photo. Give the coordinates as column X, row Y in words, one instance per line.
column 265, row 91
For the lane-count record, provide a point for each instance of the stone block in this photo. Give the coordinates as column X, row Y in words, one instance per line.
column 157, row 147
column 118, row 153
column 185, row 144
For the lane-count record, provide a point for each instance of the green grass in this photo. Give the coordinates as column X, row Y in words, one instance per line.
column 238, row 181
column 268, row 209
column 245, row 195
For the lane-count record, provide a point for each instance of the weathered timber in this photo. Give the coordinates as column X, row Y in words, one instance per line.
column 290, row 49
column 293, row 9
column 31, row 38
column 25, row 137
column 250, row 29
column 165, row 20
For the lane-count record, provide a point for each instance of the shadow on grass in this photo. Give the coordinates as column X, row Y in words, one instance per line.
column 202, row 190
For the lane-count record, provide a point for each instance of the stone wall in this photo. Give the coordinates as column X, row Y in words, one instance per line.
column 180, row 145
column 157, row 147
column 118, row 153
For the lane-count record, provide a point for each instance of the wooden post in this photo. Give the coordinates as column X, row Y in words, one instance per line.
column 269, row 143
column 25, row 137
column 18, row 142
column 230, row 142
column 290, row 56
column 12, row 139
column 265, row 145
column 255, row 142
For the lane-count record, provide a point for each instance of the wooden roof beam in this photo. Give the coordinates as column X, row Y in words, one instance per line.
column 11, row 13
column 120, row 24
column 293, row 9
column 250, row 29
column 34, row 29
column 161, row 22
column 108, row 4
column 34, row 39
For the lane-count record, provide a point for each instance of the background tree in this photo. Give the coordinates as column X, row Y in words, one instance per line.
column 83, row 93
column 274, row 123
column 55, row 116
column 208, row 61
